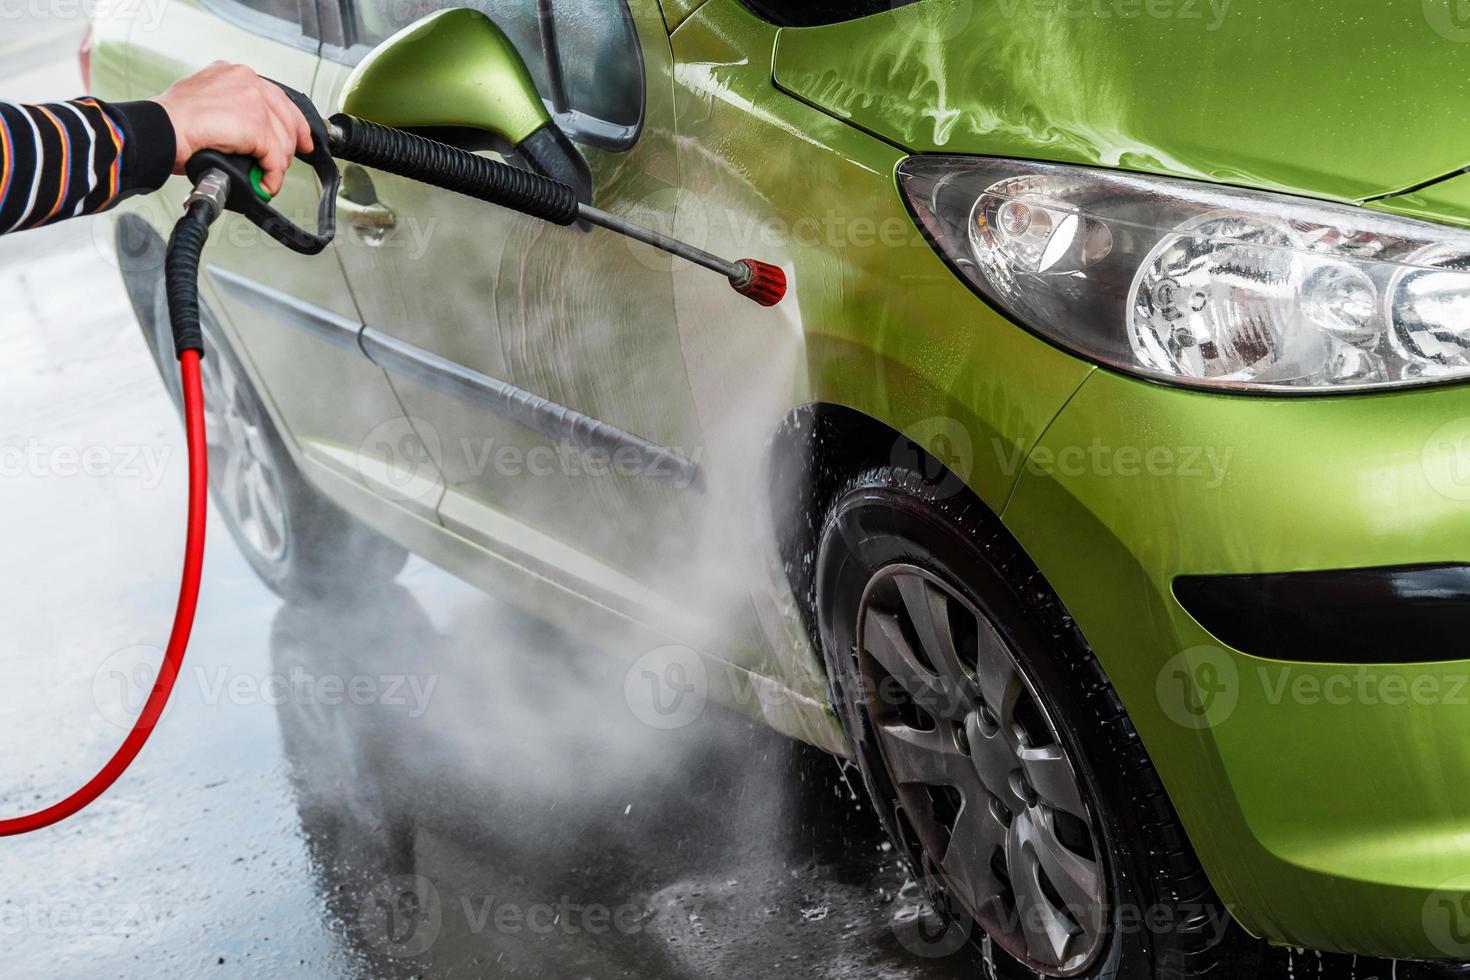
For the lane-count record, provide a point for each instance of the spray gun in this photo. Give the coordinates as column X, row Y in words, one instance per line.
column 430, row 162
column 232, row 183
column 224, row 182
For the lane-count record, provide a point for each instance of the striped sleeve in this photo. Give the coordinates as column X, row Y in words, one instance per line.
column 69, row 158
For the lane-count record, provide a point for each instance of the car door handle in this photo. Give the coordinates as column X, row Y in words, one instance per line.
column 373, row 222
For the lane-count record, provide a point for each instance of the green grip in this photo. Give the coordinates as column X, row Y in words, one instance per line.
column 257, row 174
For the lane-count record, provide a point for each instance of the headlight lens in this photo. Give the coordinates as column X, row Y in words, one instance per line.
column 1199, row 284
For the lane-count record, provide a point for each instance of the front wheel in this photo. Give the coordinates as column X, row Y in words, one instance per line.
column 998, row 755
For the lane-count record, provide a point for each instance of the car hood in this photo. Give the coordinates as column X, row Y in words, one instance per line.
column 1347, row 100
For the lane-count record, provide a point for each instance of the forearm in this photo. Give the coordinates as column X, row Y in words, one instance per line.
column 65, row 159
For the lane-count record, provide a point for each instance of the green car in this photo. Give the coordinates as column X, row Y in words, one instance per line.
column 1101, row 488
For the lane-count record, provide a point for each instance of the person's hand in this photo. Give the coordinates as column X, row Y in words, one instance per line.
column 231, row 109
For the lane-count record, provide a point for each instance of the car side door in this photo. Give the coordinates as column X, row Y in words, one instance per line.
column 289, row 317
column 514, row 344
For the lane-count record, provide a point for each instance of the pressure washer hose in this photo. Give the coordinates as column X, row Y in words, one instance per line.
column 181, row 274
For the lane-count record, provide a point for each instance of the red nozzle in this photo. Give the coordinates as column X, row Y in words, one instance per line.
column 766, row 283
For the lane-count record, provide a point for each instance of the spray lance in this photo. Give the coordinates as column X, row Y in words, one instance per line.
column 224, row 182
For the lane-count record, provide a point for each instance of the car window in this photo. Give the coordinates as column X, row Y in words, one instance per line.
column 280, row 19
column 284, row 9
column 594, row 85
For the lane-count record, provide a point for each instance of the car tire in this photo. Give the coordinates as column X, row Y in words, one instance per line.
column 299, row 543
column 1027, row 730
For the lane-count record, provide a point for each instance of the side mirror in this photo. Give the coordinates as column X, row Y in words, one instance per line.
column 455, row 76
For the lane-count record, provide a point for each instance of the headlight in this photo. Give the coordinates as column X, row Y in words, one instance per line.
column 1199, row 284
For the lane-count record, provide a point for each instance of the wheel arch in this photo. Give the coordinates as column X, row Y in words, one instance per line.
column 816, row 447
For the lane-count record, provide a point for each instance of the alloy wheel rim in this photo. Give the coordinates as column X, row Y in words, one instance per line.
column 247, row 483
column 981, row 774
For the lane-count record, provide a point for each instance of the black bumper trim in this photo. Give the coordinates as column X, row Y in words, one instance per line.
column 1393, row 615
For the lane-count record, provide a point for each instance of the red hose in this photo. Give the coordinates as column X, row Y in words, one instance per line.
column 178, row 640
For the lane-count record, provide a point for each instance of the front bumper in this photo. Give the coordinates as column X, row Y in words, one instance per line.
column 1329, row 802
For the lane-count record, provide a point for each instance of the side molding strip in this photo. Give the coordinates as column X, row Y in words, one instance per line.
column 534, row 412
column 324, row 324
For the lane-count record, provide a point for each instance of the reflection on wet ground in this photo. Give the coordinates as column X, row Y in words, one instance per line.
column 527, row 824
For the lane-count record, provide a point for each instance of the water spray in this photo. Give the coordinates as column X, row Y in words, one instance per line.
column 225, row 182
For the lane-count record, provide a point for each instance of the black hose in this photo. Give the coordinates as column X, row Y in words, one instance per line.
column 181, row 276
column 453, row 169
